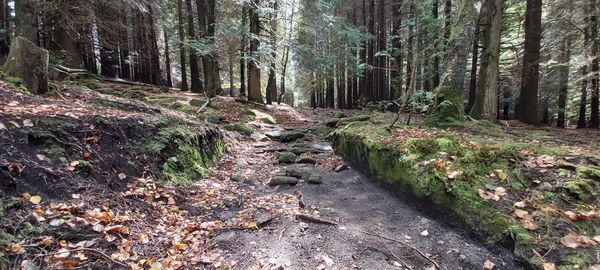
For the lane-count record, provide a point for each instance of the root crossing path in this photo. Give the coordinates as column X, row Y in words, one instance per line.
column 343, row 219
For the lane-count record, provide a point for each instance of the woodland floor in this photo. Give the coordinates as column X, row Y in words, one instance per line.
column 122, row 216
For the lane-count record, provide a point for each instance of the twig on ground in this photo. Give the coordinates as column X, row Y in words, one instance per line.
column 405, row 244
column 315, row 219
column 91, row 250
column 396, row 257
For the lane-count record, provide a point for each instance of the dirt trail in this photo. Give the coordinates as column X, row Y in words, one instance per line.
column 366, row 213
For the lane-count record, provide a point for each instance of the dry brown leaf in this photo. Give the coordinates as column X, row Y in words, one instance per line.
column 488, row 265
column 117, row 229
column 574, row 240
column 35, row 199
column 572, row 216
column 27, row 123
column 520, row 204
column 549, row 266
column 587, row 215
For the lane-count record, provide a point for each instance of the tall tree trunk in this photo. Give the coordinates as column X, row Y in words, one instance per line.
column 447, row 22
column 363, row 55
column 26, row 20
column 243, row 46
column 595, row 66
column 564, row 60
column 153, row 52
column 409, row 51
column 486, row 101
column 196, row 85
column 330, row 98
column 474, row 65
column 5, row 24
column 272, row 81
column 396, row 73
column 451, row 90
column 286, row 52
column 527, row 110
column 254, row 90
column 435, row 64
column 381, row 60
column 167, row 58
column 184, row 83
column 370, row 74
column 231, row 87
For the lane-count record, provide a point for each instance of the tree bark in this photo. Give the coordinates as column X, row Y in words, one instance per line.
column 563, row 70
column 272, row 81
column 595, row 66
column 167, row 59
column 26, row 20
column 243, row 47
column 196, row 86
column 486, row 99
column 28, row 62
column 528, row 109
column 254, row 89
column 474, row 66
column 184, row 83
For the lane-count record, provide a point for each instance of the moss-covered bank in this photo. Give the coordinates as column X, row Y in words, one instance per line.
column 459, row 174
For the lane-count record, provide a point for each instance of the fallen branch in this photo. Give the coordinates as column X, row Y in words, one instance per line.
column 405, row 244
column 90, row 250
column 396, row 257
column 315, row 219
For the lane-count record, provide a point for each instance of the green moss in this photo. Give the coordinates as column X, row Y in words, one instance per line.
column 213, row 118
column 110, row 104
column 55, row 154
column 449, row 106
column 287, row 157
column 579, row 260
column 92, row 85
column 589, row 172
column 16, row 84
column 582, row 189
column 267, row 119
column 190, row 153
column 249, row 112
column 241, row 128
column 197, row 102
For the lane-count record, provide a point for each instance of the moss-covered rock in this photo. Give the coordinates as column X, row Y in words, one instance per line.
column 197, row 102
column 582, row 189
column 241, row 128
column 290, row 136
column 283, row 180
column 589, row 172
column 267, row 119
column 359, row 118
column 287, row 157
column 448, row 107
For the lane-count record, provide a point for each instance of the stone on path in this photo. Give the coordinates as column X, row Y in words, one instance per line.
column 283, row 180
column 306, row 160
column 315, row 179
column 340, row 168
column 290, row 136
column 287, row 157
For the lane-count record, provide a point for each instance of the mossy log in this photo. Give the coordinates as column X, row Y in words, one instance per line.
column 29, row 62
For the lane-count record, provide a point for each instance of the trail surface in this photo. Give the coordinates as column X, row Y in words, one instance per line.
column 371, row 221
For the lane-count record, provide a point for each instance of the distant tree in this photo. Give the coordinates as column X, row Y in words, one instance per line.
column 527, row 109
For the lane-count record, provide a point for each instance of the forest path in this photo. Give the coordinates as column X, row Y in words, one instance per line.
column 366, row 213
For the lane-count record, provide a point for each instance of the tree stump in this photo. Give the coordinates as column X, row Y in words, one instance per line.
column 28, row 62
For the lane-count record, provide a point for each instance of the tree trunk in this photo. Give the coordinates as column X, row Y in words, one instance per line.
column 564, row 60
column 486, row 101
column 382, row 46
column 254, row 89
column 286, row 52
column 370, row 74
column 243, row 46
column 196, row 85
column 4, row 24
column 184, row 83
column 167, row 59
column 447, row 22
column 474, row 65
column 272, row 81
column 595, row 66
column 435, row 64
column 26, row 20
column 527, row 110
column 28, row 62
column 396, row 73
column 449, row 103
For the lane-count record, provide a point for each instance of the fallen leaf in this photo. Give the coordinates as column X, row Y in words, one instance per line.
column 27, row 123
column 2, row 126
column 520, row 204
column 14, row 124
column 57, row 222
column 574, row 240
column 597, row 238
column 500, row 174
column 488, row 265
column 122, row 176
column 327, row 260
column 13, row 103
column 549, row 266
column 522, row 214
column 40, row 156
column 572, row 216
column 424, row 233
column 180, row 246
column 454, row 174
column 587, row 215
column 594, row 267
column 35, row 199
column 117, row 229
